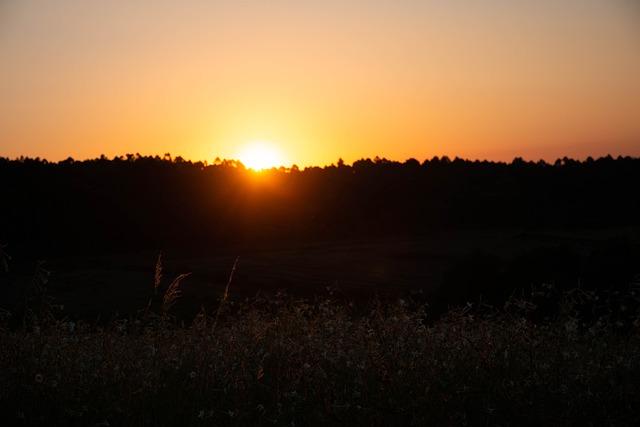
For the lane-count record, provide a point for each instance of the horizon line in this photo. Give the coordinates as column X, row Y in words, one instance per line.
column 340, row 162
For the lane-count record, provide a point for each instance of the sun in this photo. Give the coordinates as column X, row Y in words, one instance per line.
column 260, row 155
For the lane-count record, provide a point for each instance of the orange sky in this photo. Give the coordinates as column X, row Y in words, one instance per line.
column 319, row 80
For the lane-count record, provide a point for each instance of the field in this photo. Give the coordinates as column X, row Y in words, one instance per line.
column 329, row 333
column 357, row 270
column 283, row 361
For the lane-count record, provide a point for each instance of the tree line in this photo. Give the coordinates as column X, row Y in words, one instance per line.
column 136, row 202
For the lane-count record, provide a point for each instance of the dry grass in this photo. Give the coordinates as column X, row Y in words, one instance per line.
column 282, row 361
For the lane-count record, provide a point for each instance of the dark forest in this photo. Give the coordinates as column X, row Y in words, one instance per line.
column 134, row 202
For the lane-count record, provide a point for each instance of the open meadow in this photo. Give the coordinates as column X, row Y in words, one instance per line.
column 324, row 334
column 356, row 270
column 287, row 361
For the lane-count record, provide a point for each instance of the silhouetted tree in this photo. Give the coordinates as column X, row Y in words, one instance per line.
column 134, row 201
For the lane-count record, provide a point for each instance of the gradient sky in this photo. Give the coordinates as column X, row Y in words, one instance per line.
column 478, row 79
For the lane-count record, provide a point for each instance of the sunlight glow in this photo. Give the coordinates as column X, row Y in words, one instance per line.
column 260, row 155
column 320, row 80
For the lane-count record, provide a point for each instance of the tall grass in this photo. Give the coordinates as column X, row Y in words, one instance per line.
column 282, row 361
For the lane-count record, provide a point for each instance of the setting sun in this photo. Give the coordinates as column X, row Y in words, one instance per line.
column 259, row 155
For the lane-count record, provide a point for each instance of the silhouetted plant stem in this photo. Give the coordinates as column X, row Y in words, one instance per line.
column 225, row 295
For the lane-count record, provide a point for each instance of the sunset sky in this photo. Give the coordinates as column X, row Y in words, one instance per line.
column 320, row 80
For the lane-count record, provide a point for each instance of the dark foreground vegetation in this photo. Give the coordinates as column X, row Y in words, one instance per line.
column 281, row 361
column 544, row 335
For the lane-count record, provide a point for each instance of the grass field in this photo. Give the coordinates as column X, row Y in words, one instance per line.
column 284, row 360
column 101, row 286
